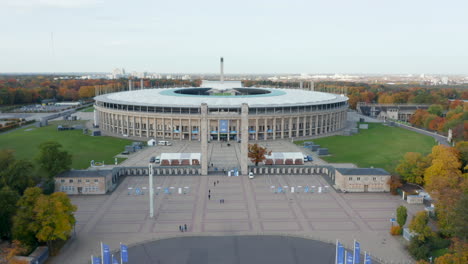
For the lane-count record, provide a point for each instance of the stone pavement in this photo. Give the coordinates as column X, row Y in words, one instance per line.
column 251, row 207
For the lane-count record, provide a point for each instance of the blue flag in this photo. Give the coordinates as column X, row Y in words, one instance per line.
column 114, row 260
column 367, row 259
column 357, row 253
column 340, row 254
column 349, row 257
column 96, row 260
column 106, row 257
column 124, row 252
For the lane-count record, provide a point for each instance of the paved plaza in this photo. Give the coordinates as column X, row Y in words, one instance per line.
column 251, row 207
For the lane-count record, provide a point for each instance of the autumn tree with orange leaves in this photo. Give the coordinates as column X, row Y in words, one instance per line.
column 257, row 153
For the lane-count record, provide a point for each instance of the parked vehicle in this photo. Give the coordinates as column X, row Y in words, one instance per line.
column 309, row 158
column 164, row 143
column 125, row 153
column 152, row 159
column 157, row 159
column 251, row 175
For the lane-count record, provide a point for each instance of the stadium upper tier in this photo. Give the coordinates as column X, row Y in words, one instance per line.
column 229, row 98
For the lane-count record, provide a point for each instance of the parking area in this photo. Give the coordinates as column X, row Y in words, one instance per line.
column 251, row 206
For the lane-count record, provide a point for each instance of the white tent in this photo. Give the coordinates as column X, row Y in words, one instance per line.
column 152, row 142
column 275, row 156
column 180, row 157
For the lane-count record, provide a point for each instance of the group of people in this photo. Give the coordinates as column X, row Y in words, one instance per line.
column 209, row 192
column 183, row 228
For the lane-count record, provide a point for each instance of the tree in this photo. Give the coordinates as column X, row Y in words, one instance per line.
column 412, row 167
column 462, row 147
column 24, row 222
column 394, row 182
column 460, row 216
column 257, row 153
column 444, row 170
column 402, row 215
column 419, row 225
column 436, row 109
column 6, row 158
column 458, row 253
column 8, row 200
column 16, row 249
column 18, row 175
column 53, row 160
column 54, row 217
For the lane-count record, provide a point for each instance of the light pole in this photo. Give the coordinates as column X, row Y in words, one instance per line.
column 151, row 191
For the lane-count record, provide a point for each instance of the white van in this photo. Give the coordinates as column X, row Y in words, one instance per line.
column 251, row 175
column 158, row 159
column 164, row 143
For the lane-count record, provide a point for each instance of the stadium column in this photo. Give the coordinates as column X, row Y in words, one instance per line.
column 203, row 133
column 298, row 119
column 172, row 128
column 256, row 128
column 265, row 129
column 316, row 124
column 237, row 130
column 244, row 139
column 163, row 128
column 274, row 128
column 180, row 128
column 282, row 127
column 310, row 125
column 147, row 127
column 141, row 125
column 190, row 128
column 290, row 127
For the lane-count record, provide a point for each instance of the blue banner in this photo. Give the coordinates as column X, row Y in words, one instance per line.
column 357, row 253
column 340, row 254
column 106, row 257
column 223, row 126
column 96, row 260
column 349, row 257
column 124, row 252
column 367, row 259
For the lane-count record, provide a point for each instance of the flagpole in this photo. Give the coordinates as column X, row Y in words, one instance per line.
column 346, row 256
column 112, row 258
column 336, row 252
column 120, row 252
column 102, row 255
column 354, row 251
column 92, row 259
column 365, row 257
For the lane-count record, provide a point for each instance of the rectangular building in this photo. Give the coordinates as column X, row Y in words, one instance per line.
column 87, row 181
column 362, row 179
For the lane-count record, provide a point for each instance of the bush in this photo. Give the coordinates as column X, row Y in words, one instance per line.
column 396, row 230
column 437, row 242
column 417, row 249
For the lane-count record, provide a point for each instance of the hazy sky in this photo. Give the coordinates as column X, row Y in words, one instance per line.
column 270, row 36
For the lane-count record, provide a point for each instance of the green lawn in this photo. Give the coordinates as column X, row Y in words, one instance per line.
column 88, row 109
column 379, row 146
column 83, row 148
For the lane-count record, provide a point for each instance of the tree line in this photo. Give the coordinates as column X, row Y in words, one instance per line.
column 444, row 174
column 30, row 213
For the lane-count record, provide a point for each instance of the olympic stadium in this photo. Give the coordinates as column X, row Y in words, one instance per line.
column 177, row 113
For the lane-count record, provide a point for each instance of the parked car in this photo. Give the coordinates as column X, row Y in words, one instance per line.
column 251, row 175
column 309, row 158
column 164, row 143
column 125, row 153
column 305, row 158
column 152, row 159
column 158, row 159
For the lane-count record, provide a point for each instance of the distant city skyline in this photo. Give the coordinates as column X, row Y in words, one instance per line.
column 259, row 37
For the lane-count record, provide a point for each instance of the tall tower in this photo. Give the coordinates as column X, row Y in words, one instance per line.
column 222, row 70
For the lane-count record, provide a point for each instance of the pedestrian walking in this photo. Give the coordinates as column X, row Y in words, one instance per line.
column 209, row 196
column 209, row 191
column 185, row 227
column 217, row 182
column 180, row 229
column 214, row 183
column 220, row 200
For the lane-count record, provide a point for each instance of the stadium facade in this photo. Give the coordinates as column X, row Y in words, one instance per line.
column 177, row 113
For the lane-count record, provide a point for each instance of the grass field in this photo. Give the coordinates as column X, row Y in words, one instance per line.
column 83, row 148
column 379, row 146
column 87, row 109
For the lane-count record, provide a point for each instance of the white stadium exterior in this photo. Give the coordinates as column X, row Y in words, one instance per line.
column 178, row 113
